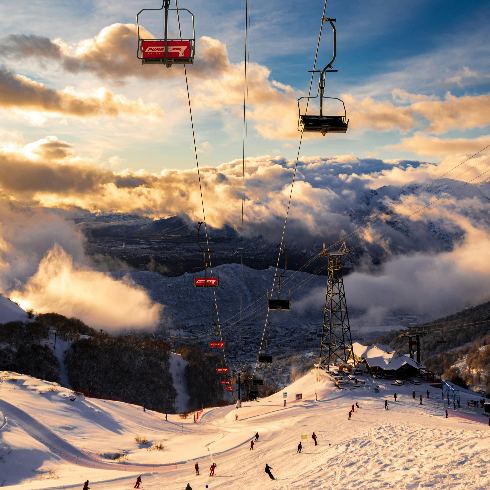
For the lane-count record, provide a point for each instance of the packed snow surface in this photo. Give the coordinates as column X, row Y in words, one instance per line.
column 53, row 438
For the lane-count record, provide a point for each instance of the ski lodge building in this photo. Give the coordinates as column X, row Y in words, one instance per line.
column 380, row 359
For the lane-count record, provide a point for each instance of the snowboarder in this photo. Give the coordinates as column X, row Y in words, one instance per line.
column 353, row 407
column 252, row 444
column 138, row 481
column 268, row 471
column 394, row 396
column 357, row 405
column 427, row 393
column 350, row 414
column 211, row 470
column 256, row 436
column 188, row 487
column 413, row 394
column 196, row 467
column 386, row 404
column 447, row 415
column 420, row 400
column 313, row 436
column 85, row 486
column 300, row 447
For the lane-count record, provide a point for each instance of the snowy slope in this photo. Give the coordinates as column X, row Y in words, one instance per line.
column 10, row 311
column 49, row 441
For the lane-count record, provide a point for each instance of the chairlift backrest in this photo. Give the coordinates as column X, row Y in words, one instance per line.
column 279, row 304
column 265, row 358
column 166, row 50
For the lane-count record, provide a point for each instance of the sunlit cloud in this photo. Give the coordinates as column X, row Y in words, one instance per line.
column 19, row 93
column 73, row 290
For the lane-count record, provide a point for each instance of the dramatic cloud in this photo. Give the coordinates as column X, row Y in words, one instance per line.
column 43, row 266
column 76, row 291
column 111, row 55
column 217, row 84
column 22, row 94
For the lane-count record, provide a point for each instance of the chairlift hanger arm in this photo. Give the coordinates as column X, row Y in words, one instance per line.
column 331, row 21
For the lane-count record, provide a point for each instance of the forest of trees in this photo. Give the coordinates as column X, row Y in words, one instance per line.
column 127, row 365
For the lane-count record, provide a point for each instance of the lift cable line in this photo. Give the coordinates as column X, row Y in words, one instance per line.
column 292, row 183
column 200, row 189
column 245, row 134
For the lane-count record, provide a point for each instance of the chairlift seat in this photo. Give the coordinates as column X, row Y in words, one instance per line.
column 279, row 304
column 265, row 358
column 324, row 124
column 258, row 382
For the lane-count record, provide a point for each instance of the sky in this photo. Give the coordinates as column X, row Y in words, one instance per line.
column 85, row 127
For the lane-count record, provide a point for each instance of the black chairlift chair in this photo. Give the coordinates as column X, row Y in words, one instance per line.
column 320, row 123
column 166, row 51
column 204, row 282
column 279, row 303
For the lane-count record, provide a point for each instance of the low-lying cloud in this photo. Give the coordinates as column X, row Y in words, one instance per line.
column 43, row 266
column 73, row 290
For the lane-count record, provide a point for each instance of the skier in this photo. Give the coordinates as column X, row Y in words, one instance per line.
column 353, row 407
column 300, row 447
column 138, row 481
column 394, row 396
column 413, row 394
column 350, row 413
column 85, row 486
column 427, row 393
column 211, row 472
column 252, row 444
column 188, row 487
column 447, row 415
column 420, row 400
column 196, row 467
column 313, row 436
column 268, row 471
column 357, row 405
column 386, row 404
column 256, row 436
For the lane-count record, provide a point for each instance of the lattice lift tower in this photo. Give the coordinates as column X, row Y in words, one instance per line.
column 336, row 345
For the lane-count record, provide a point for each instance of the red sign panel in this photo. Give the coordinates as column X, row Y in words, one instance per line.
column 221, row 370
column 202, row 282
column 229, row 388
column 226, row 382
column 216, row 345
column 175, row 49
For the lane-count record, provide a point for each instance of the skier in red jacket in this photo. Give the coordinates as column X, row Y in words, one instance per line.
column 211, row 470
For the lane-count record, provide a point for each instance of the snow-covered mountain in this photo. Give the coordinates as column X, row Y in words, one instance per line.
column 10, row 311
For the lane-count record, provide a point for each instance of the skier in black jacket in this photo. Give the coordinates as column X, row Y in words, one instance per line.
column 300, row 447
column 85, row 486
column 268, row 471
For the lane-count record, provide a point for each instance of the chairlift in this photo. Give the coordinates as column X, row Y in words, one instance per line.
column 166, row 51
column 204, row 282
column 321, row 123
column 257, row 382
column 279, row 303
